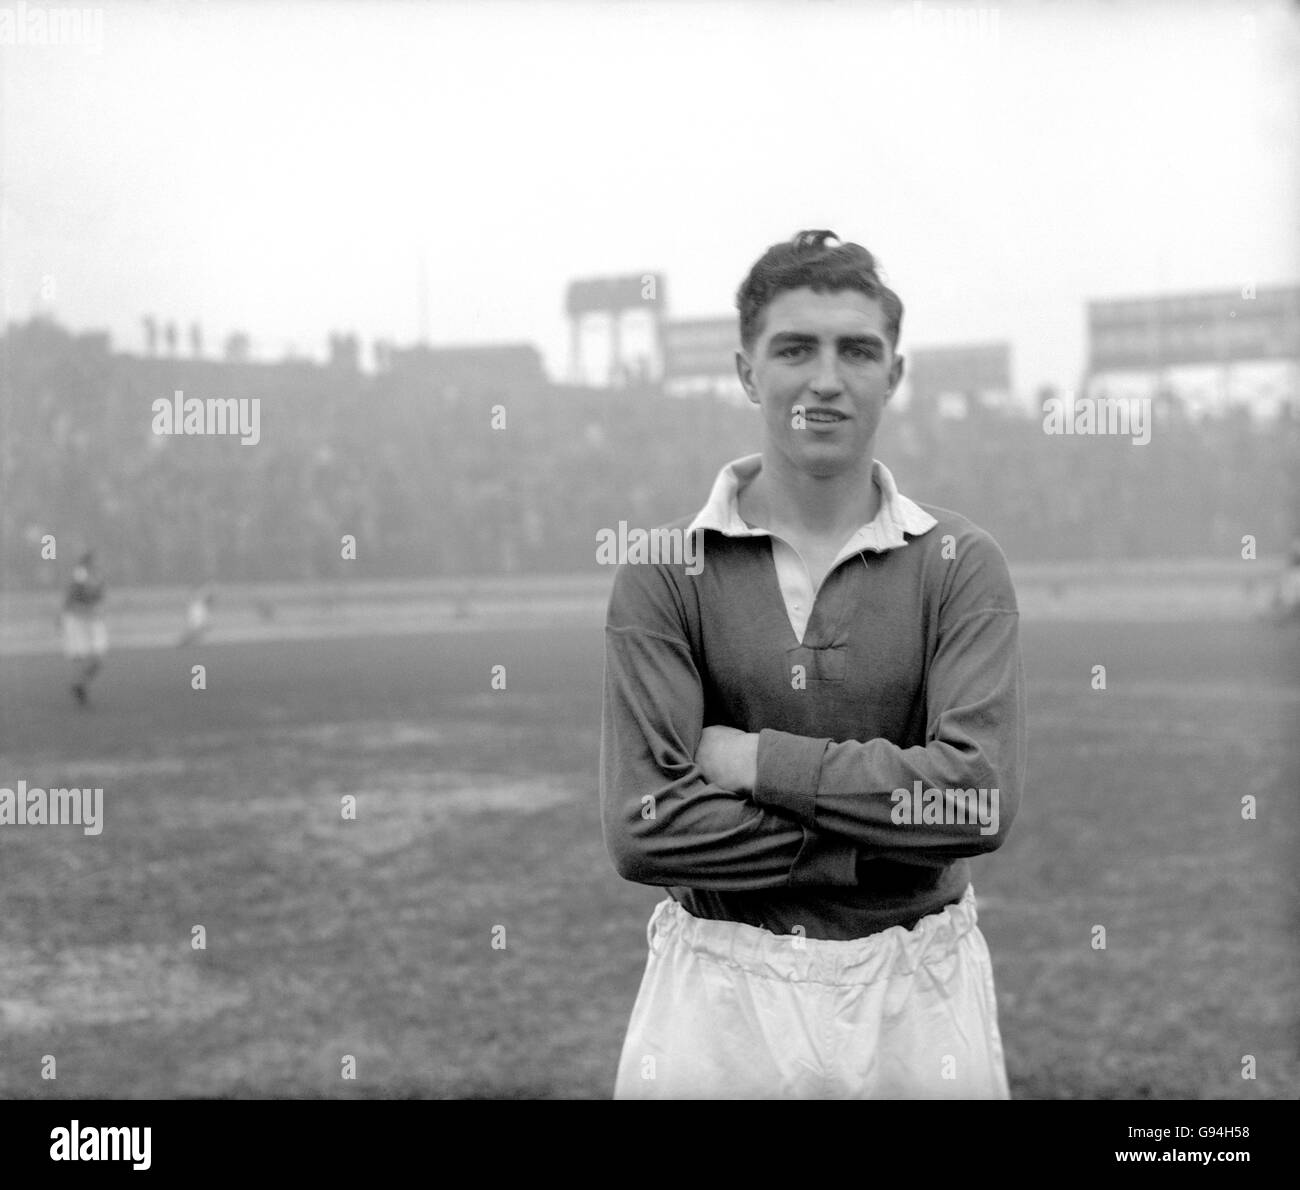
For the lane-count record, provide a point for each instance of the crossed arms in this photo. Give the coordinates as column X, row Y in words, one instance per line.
column 720, row 809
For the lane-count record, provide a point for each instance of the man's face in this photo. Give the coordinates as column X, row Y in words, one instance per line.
column 821, row 371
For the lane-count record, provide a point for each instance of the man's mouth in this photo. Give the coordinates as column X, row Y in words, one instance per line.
column 824, row 415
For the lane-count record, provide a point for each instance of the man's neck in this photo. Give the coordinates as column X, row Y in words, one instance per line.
column 782, row 497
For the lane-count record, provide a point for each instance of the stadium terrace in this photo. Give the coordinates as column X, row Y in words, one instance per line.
column 214, row 415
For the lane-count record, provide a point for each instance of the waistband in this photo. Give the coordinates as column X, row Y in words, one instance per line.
column 796, row 959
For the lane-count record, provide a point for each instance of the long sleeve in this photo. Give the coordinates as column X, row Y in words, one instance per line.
column 975, row 738
column 664, row 823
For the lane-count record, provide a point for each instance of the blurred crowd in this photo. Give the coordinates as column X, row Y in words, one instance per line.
column 433, row 476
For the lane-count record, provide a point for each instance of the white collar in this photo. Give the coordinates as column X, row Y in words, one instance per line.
column 896, row 515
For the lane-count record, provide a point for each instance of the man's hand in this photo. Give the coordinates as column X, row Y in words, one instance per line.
column 729, row 757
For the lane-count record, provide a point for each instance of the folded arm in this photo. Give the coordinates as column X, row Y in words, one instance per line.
column 664, row 822
column 868, row 792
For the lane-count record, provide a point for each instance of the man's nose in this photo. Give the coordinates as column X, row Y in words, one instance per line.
column 826, row 382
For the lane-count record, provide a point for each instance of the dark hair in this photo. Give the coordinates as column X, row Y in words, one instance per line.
column 808, row 262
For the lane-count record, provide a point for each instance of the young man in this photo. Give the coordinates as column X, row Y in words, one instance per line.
column 806, row 740
column 85, row 636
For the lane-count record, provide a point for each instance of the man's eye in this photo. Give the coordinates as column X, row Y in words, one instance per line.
column 863, row 352
column 793, row 350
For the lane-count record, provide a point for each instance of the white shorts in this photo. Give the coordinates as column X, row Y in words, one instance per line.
column 84, row 636
column 731, row 1011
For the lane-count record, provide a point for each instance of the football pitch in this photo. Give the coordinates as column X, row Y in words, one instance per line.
column 466, row 936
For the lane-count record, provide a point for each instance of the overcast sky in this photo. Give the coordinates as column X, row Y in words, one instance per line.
column 281, row 168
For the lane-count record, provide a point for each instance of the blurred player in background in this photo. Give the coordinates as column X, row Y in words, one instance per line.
column 85, row 635
column 1286, row 595
column 197, row 617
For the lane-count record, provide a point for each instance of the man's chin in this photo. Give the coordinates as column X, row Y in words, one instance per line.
column 826, row 459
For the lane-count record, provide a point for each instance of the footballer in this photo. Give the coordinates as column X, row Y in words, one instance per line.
column 85, row 635
column 198, row 617
column 806, row 742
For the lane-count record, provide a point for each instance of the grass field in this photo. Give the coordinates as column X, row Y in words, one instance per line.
column 478, row 809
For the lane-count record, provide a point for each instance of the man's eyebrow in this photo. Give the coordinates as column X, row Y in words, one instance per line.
column 786, row 337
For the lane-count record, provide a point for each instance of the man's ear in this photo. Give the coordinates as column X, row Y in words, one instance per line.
column 745, row 371
column 896, row 370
